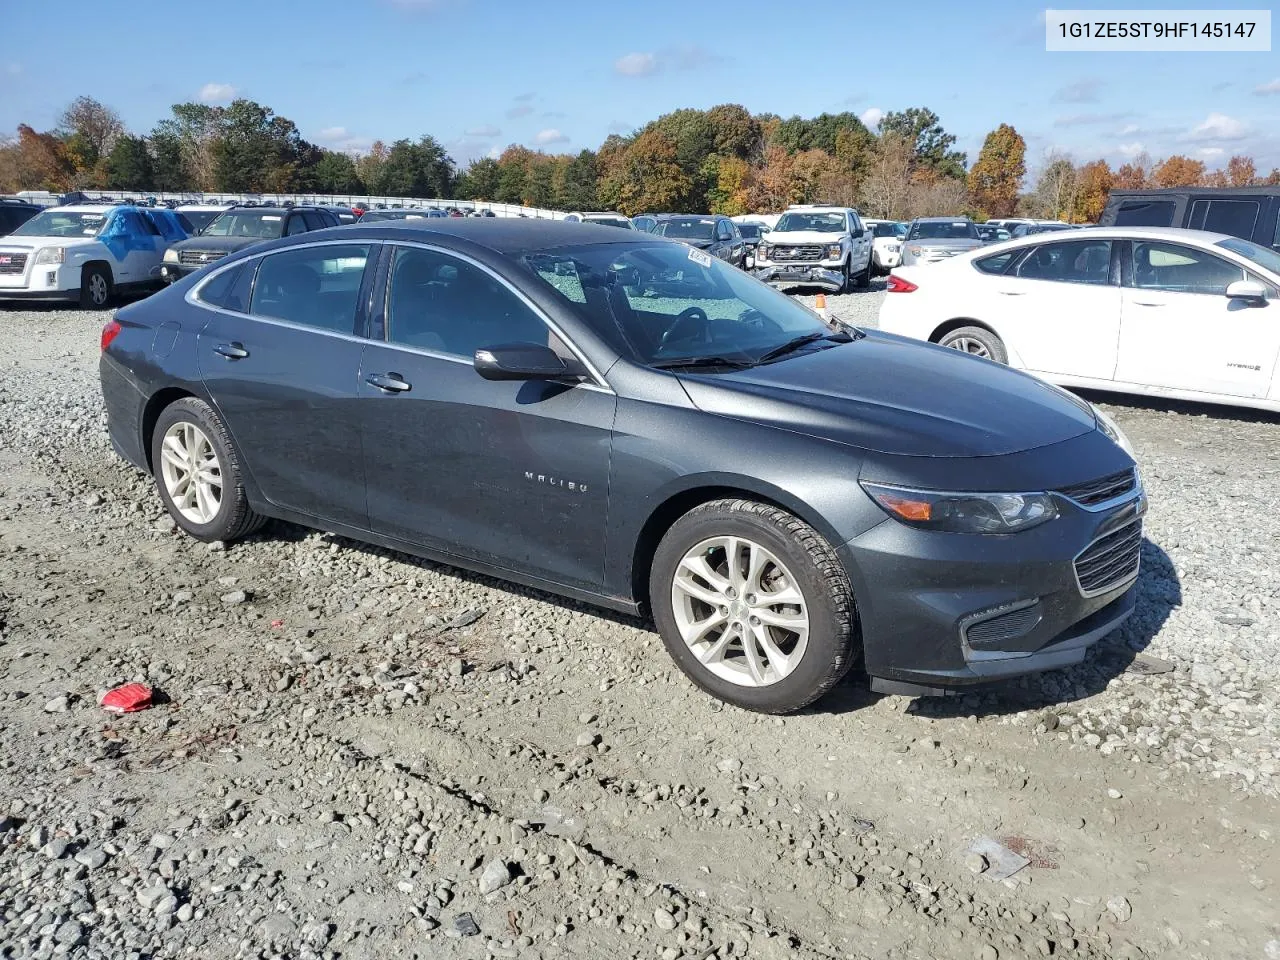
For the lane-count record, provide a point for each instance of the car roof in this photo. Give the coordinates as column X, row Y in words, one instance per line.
column 958, row 219
column 505, row 235
column 1171, row 234
column 93, row 207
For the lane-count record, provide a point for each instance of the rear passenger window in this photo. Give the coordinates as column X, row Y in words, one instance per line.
column 1145, row 213
column 313, row 286
column 314, row 221
column 1072, row 261
column 998, row 263
column 296, row 225
column 1236, row 218
column 217, row 291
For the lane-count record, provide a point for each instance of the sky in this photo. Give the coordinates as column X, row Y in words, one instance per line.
column 561, row 75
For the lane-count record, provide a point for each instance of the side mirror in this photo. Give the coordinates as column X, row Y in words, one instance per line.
column 1248, row 290
column 524, row 361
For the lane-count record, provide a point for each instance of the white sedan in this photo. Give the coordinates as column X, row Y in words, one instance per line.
column 1146, row 310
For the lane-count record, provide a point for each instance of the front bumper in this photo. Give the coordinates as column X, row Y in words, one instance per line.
column 940, row 611
column 42, row 282
column 815, row 275
column 173, row 272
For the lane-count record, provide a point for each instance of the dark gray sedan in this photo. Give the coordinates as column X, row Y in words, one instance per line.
column 629, row 421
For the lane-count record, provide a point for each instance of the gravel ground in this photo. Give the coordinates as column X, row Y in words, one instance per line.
column 360, row 755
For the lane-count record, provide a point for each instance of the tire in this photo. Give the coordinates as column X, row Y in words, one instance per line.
column 794, row 558
column 976, row 341
column 847, row 286
column 229, row 517
column 96, row 287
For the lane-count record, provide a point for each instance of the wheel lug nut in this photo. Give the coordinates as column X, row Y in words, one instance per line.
column 731, row 593
column 755, row 621
column 751, row 598
column 724, row 611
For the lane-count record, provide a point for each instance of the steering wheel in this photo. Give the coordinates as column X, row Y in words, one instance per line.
column 756, row 318
column 683, row 326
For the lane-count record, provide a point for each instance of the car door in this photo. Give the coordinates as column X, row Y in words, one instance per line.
column 132, row 243
column 1058, row 308
column 514, row 473
column 1178, row 329
column 281, row 361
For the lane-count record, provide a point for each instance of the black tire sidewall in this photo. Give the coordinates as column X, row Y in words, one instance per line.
column 86, row 299
column 995, row 346
column 826, row 635
column 201, row 415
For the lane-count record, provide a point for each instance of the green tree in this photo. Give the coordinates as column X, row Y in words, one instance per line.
column 128, row 165
column 90, row 129
column 421, row 169
column 731, row 196
column 336, row 172
column 192, row 133
column 996, row 178
column 931, row 145
column 513, row 170
column 479, row 181
column 735, row 133
column 578, row 190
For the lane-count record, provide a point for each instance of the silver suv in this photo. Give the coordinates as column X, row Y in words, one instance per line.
column 930, row 239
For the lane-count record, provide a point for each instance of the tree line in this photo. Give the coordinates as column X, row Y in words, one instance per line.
column 722, row 160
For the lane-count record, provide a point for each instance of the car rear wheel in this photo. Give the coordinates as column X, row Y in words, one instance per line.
column 977, row 341
column 753, row 605
column 95, row 287
column 198, row 473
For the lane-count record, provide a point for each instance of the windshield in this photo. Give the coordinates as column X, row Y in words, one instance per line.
column 199, row 219
column 1266, row 259
column 241, row 223
column 944, row 230
column 62, row 223
column 663, row 302
column 751, row 231
column 687, row 228
column 611, row 222
column 374, row 215
column 889, row 229
column 831, row 222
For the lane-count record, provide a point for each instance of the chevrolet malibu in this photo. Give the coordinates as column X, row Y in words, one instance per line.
column 618, row 418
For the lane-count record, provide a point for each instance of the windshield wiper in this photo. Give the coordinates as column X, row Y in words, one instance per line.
column 797, row 342
column 688, row 362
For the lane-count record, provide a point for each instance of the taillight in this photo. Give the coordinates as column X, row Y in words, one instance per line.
column 897, row 284
column 110, row 330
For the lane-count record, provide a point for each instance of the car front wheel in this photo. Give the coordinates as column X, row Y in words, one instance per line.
column 753, row 605
column 976, row 341
column 198, row 473
column 95, row 287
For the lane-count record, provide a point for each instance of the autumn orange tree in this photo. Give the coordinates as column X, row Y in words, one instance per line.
column 1094, row 182
column 996, row 177
column 1178, row 171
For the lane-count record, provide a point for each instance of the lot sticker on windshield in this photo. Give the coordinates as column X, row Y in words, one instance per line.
column 270, row 218
column 700, row 258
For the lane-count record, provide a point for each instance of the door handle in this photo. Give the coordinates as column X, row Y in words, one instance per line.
column 231, row 351
column 1148, row 303
column 1013, row 293
column 388, row 382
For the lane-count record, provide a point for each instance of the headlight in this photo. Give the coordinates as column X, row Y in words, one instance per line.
column 762, row 252
column 171, row 256
column 893, row 247
column 834, row 251
column 50, row 255
column 1112, row 430
column 914, row 251
column 964, row 512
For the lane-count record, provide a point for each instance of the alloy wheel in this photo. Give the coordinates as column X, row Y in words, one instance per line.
column 740, row 611
column 191, row 472
column 98, row 289
column 971, row 346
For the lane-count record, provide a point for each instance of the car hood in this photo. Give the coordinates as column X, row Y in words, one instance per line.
column 218, row 244
column 804, row 236
column 699, row 243
column 898, row 396
column 947, row 243
column 37, row 243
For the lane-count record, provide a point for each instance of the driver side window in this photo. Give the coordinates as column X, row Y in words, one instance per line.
column 1178, row 269
column 440, row 303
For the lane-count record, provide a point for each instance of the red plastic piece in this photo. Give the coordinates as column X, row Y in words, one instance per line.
column 127, row 699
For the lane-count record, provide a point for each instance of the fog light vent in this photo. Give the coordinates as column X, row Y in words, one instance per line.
column 999, row 629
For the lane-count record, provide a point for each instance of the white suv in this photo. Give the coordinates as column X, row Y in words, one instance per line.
column 817, row 246
column 86, row 253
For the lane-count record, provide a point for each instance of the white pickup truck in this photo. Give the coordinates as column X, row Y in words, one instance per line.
column 817, row 246
column 86, row 253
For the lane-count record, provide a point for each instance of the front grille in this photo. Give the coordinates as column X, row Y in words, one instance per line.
column 1100, row 491
column 12, row 263
column 196, row 258
column 1003, row 627
column 810, row 253
column 1110, row 561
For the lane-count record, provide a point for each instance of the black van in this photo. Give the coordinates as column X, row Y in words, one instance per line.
column 1250, row 213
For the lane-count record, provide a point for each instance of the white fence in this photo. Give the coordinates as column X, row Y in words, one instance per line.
column 316, row 199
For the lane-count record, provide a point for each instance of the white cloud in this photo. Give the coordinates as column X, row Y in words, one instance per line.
column 1131, row 149
column 488, row 130
column 340, row 138
column 1266, row 88
column 636, row 64
column 1128, row 130
column 216, row 93
column 494, row 153
column 519, row 110
column 549, row 136
column 1218, row 126
column 871, row 117
column 1209, row 153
